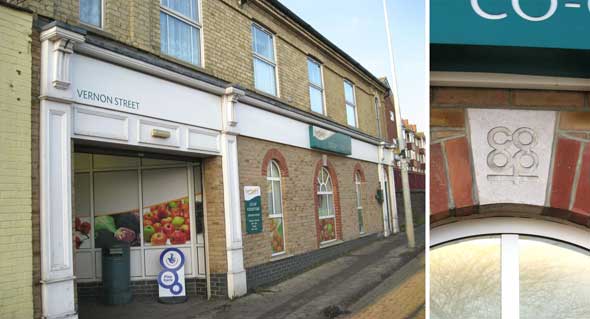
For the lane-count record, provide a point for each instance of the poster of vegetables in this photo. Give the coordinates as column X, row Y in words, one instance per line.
column 167, row 223
column 327, row 229
column 117, row 228
column 276, row 229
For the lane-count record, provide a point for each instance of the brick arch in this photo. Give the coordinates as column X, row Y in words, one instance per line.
column 358, row 168
column 336, row 196
column 277, row 156
column 550, row 214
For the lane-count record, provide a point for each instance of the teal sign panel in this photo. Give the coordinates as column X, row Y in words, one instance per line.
column 563, row 24
column 327, row 140
column 253, row 209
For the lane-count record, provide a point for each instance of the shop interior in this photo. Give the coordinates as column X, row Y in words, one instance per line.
column 144, row 200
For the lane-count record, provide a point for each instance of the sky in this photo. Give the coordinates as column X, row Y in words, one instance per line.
column 358, row 28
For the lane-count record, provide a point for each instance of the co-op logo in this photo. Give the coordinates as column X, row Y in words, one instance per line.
column 552, row 8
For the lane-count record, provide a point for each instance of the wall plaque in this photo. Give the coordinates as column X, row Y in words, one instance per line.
column 511, row 152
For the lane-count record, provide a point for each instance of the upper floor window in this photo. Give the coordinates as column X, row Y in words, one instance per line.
column 180, row 30
column 350, row 103
column 91, row 12
column 378, row 116
column 316, row 87
column 264, row 60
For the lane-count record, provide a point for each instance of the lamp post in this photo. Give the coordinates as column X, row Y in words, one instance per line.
column 400, row 138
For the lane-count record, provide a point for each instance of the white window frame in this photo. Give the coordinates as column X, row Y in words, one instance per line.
column 378, row 115
column 270, row 179
column 196, row 24
column 353, row 104
column 359, row 200
column 326, row 193
column 264, row 59
column 102, row 10
column 321, row 89
column 510, row 229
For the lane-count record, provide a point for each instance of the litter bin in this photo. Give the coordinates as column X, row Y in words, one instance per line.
column 116, row 273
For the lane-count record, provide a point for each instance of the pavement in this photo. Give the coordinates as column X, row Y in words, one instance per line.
column 384, row 279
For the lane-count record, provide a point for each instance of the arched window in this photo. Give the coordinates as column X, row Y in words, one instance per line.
column 359, row 202
column 509, row 268
column 326, row 212
column 275, row 208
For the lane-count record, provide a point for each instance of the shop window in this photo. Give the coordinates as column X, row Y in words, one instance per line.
column 349, row 97
column 275, row 208
column 166, row 214
column 264, row 60
column 326, row 212
column 359, row 201
column 316, row 87
column 546, row 279
column 180, row 30
column 91, row 12
column 144, row 203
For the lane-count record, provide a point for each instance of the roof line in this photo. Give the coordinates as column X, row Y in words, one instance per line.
column 282, row 8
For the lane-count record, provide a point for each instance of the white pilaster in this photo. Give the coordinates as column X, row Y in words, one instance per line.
column 57, row 269
column 382, row 179
column 57, row 266
column 392, row 195
column 236, row 274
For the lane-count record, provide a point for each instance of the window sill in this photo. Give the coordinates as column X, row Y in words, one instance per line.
column 365, row 234
column 184, row 63
column 331, row 243
column 280, row 256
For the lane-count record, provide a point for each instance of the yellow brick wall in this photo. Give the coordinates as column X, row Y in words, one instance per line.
column 16, row 296
column 298, row 198
column 228, row 49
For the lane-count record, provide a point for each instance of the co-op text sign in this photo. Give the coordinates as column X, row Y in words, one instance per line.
column 561, row 24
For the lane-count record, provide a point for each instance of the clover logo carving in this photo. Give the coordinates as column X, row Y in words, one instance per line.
column 512, row 158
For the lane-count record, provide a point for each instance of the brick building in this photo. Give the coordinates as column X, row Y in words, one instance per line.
column 154, row 122
column 509, row 161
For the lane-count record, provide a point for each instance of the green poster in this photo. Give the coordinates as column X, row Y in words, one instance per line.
column 253, row 209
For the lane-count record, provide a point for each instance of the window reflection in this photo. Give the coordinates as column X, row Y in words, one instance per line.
column 465, row 280
column 554, row 280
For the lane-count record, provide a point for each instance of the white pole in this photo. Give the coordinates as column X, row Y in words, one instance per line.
column 400, row 138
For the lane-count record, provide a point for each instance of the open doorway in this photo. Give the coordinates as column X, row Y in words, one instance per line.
column 149, row 201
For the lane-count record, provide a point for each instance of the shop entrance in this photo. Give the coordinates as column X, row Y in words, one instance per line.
column 148, row 201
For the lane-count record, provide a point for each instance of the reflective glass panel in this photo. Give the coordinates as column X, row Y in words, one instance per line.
column 465, row 279
column 554, row 280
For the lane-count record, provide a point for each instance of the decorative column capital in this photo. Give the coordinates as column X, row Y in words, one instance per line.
column 62, row 43
column 230, row 99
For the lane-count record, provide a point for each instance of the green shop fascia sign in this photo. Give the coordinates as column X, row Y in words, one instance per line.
column 562, row 24
column 327, row 140
column 253, row 208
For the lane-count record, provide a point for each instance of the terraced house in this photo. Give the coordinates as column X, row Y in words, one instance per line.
column 130, row 116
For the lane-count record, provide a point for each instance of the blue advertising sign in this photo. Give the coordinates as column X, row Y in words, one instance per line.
column 171, row 278
column 563, row 24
